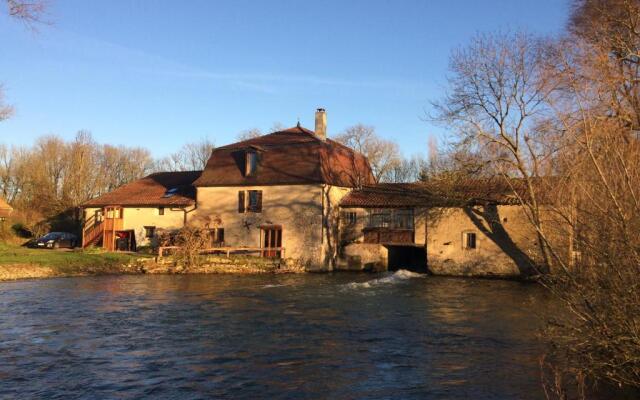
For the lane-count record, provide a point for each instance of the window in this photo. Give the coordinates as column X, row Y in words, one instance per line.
column 255, row 201
column 271, row 241
column 160, row 210
column 470, row 240
column 250, row 201
column 391, row 218
column 149, row 231
column 403, row 219
column 379, row 218
column 251, row 163
column 349, row 218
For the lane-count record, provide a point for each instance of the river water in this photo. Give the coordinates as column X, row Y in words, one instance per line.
column 327, row 336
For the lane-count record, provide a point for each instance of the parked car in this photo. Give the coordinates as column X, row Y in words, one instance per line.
column 55, row 240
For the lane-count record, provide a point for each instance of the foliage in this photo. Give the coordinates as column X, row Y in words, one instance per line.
column 191, row 240
column 55, row 176
column 563, row 116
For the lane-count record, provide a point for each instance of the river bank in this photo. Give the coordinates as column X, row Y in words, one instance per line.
column 17, row 262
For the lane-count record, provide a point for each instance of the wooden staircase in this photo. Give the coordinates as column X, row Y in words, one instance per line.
column 92, row 232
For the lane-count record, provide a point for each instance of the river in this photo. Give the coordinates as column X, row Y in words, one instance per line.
column 317, row 336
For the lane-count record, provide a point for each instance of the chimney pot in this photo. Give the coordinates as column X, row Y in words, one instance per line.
column 321, row 124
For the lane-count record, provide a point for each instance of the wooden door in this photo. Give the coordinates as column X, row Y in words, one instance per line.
column 271, row 241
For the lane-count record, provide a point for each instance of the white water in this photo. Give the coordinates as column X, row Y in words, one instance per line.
column 397, row 277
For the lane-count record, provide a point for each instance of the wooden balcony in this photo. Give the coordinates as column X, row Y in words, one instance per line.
column 389, row 235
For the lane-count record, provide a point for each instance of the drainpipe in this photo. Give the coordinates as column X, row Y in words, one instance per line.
column 185, row 212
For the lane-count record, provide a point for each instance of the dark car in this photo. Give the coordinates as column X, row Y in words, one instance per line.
column 55, row 240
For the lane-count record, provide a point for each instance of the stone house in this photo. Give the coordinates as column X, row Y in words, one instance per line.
column 472, row 228
column 278, row 192
column 132, row 215
column 297, row 194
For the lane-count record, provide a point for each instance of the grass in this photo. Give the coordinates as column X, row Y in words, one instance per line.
column 64, row 262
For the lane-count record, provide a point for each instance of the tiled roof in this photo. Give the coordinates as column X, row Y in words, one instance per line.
column 152, row 191
column 5, row 208
column 434, row 194
column 291, row 156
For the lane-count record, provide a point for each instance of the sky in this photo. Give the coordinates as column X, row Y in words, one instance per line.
column 161, row 73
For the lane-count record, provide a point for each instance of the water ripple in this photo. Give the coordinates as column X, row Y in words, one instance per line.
column 395, row 335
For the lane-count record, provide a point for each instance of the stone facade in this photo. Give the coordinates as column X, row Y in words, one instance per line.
column 306, row 214
column 503, row 242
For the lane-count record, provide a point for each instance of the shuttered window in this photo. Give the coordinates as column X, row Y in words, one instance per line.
column 255, row 201
column 250, row 201
column 241, row 202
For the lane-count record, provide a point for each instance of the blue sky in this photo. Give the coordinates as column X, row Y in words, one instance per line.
column 162, row 73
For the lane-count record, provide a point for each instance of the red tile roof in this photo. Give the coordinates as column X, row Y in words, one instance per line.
column 151, row 191
column 5, row 208
column 434, row 194
column 291, row 156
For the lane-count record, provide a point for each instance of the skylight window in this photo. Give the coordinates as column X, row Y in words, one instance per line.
column 170, row 192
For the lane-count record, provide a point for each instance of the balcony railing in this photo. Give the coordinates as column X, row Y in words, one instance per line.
column 389, row 235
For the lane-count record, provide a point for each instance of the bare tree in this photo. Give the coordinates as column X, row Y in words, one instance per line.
column 598, row 164
column 494, row 99
column 29, row 12
column 383, row 155
column 277, row 126
column 6, row 111
column 191, row 157
column 249, row 134
column 407, row 170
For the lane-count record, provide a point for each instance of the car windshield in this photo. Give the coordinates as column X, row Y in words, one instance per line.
column 52, row 235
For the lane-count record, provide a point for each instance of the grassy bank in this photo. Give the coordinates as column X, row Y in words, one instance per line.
column 18, row 262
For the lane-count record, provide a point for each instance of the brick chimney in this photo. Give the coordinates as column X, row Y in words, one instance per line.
column 321, row 124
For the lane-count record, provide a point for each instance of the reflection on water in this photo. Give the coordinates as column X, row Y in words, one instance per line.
column 398, row 335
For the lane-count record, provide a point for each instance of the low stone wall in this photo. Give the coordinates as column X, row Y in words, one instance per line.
column 224, row 265
column 473, row 268
column 363, row 257
column 167, row 265
column 12, row 272
column 499, row 266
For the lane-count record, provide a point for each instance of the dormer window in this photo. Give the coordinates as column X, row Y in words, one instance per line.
column 251, row 163
column 170, row 192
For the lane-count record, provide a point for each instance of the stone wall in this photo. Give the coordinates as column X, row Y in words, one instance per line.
column 363, row 257
column 213, row 264
column 506, row 243
column 307, row 214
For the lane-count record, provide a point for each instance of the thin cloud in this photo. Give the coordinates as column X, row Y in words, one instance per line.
column 138, row 61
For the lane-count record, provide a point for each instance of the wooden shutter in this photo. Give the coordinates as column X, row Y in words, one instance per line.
column 258, row 201
column 241, row 202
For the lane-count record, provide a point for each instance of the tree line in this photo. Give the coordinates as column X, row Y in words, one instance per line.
column 50, row 179
column 54, row 176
